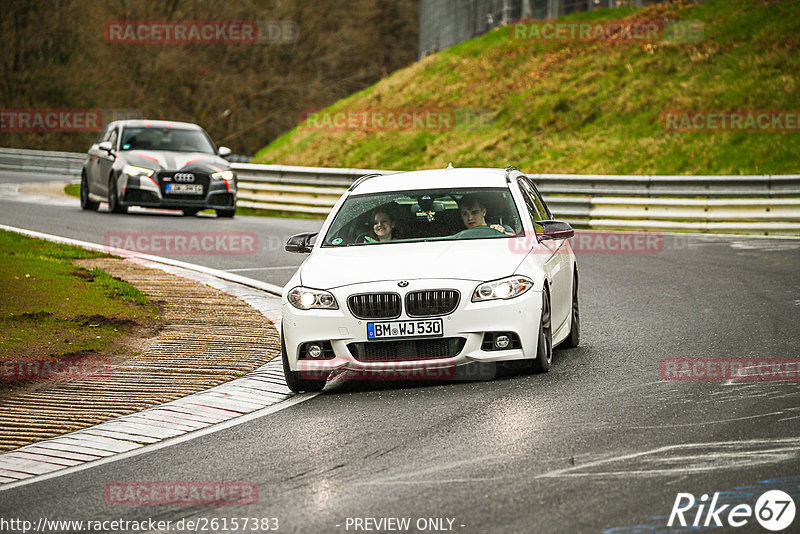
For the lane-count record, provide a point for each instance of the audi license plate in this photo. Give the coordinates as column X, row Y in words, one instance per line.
column 430, row 327
column 185, row 189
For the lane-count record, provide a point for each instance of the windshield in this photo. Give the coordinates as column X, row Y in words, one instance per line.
column 173, row 139
column 437, row 214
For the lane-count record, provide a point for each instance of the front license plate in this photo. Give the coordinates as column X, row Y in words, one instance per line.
column 185, row 189
column 431, row 327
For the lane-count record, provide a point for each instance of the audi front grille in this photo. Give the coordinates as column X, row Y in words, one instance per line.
column 375, row 305
column 432, row 302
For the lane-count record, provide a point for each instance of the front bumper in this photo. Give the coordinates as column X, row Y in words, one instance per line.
column 144, row 191
column 470, row 321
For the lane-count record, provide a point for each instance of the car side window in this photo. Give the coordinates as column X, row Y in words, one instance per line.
column 103, row 134
column 541, row 207
column 112, row 138
column 528, row 200
column 530, row 203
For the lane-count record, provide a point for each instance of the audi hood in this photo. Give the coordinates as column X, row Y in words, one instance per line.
column 175, row 161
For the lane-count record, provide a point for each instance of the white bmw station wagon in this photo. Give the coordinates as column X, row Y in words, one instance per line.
column 436, row 268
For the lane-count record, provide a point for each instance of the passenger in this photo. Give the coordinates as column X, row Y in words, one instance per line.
column 382, row 227
column 473, row 214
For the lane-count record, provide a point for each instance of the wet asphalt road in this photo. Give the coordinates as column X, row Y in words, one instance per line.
column 602, row 443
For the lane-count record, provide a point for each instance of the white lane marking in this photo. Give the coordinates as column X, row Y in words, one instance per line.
column 780, row 450
column 269, row 410
column 789, row 451
column 245, row 269
column 711, row 456
column 703, row 423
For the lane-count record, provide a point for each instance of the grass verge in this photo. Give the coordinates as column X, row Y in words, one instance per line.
column 52, row 308
column 73, row 190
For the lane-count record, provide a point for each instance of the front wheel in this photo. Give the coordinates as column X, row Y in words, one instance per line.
column 113, row 200
column 544, row 348
column 86, row 203
column 293, row 379
column 190, row 212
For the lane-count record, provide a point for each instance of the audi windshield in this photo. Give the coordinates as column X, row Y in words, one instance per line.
column 172, row 139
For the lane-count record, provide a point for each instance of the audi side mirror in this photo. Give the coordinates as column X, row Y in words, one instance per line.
column 224, row 152
column 555, row 230
column 106, row 145
column 300, row 242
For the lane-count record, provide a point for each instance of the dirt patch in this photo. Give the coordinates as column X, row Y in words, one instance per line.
column 93, row 321
column 84, row 275
column 31, row 316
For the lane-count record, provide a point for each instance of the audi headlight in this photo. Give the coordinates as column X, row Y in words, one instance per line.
column 305, row 298
column 225, row 175
column 507, row 288
column 132, row 170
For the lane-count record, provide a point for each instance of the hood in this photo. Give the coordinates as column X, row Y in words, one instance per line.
column 475, row 259
column 163, row 160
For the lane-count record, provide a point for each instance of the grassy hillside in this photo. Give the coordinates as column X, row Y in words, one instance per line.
column 584, row 107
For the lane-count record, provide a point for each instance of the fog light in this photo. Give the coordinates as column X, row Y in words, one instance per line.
column 501, row 342
column 313, row 350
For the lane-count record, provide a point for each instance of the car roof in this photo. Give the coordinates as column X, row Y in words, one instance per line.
column 144, row 123
column 432, row 179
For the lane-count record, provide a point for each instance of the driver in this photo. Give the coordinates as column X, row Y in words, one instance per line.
column 473, row 214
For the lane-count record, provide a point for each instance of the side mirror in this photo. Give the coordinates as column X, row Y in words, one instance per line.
column 555, row 230
column 224, row 152
column 106, row 145
column 300, row 242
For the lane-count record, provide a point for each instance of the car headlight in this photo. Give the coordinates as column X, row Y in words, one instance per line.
column 225, row 175
column 132, row 170
column 507, row 288
column 305, row 298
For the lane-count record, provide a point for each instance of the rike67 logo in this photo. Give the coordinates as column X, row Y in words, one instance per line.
column 774, row 510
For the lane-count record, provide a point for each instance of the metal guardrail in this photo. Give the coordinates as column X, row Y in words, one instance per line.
column 737, row 204
column 16, row 159
column 728, row 204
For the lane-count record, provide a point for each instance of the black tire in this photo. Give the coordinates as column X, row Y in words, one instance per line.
column 293, row 379
column 574, row 336
column 113, row 200
column 544, row 348
column 190, row 212
column 226, row 212
column 86, row 203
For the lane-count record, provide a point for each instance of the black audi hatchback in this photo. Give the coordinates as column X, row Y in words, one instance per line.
column 158, row 164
